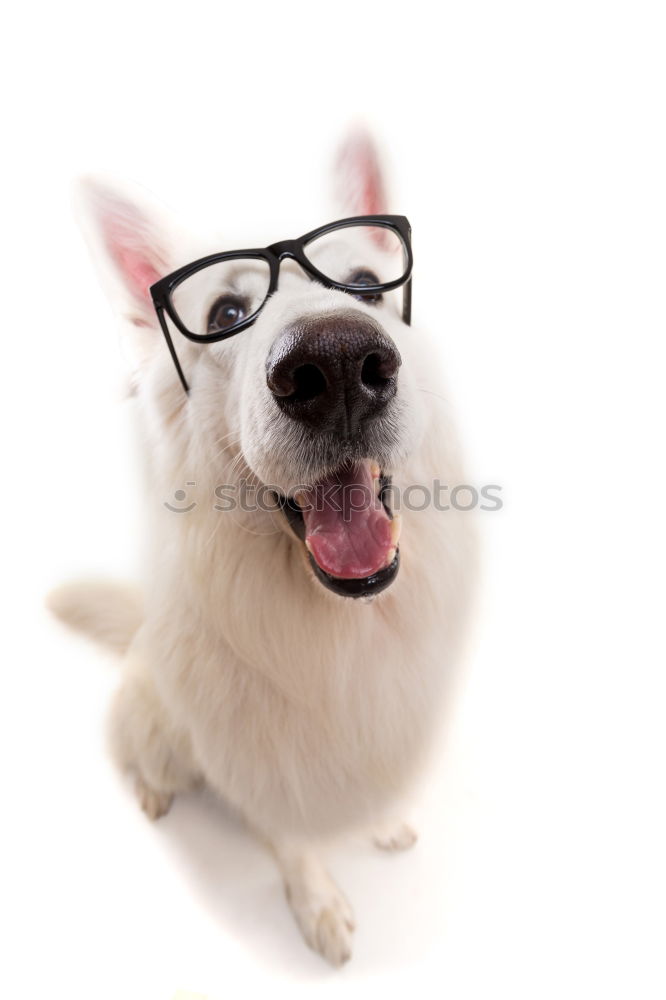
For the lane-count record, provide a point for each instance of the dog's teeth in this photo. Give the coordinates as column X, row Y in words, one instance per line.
column 300, row 498
column 390, row 556
column 396, row 528
column 308, row 546
column 375, row 471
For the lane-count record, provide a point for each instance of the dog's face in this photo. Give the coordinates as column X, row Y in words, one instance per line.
column 318, row 397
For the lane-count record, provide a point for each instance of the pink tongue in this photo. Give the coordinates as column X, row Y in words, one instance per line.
column 346, row 526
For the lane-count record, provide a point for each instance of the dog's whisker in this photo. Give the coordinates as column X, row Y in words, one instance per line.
column 431, row 392
column 230, row 444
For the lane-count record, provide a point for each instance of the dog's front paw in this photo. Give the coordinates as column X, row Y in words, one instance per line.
column 395, row 837
column 323, row 915
column 154, row 804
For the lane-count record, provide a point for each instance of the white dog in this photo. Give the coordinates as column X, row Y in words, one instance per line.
column 249, row 664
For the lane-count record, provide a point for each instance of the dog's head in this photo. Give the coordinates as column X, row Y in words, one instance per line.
column 317, row 399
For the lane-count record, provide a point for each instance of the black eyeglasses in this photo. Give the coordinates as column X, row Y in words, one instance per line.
column 221, row 295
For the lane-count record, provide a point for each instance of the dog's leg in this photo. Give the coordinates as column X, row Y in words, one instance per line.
column 394, row 835
column 321, row 910
column 145, row 743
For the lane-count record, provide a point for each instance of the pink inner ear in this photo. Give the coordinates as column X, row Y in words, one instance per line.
column 139, row 272
column 372, row 198
column 359, row 168
column 134, row 256
column 361, row 175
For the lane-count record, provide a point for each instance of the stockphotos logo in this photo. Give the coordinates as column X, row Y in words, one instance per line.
column 346, row 498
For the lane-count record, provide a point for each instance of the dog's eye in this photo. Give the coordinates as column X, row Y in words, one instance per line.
column 225, row 313
column 365, row 277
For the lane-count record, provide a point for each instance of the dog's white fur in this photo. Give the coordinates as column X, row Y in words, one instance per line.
column 309, row 713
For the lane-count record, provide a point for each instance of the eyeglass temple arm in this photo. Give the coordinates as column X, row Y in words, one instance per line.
column 172, row 350
column 407, row 290
column 407, row 302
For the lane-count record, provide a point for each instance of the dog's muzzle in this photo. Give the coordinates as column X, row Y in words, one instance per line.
column 335, row 374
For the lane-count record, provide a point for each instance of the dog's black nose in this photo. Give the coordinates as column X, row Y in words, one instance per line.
column 333, row 371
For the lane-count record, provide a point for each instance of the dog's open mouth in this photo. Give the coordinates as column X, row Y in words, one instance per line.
column 348, row 528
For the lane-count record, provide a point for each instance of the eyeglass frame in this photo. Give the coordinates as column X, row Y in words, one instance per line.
column 161, row 291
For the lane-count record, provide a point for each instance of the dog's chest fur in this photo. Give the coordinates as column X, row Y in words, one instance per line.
column 307, row 712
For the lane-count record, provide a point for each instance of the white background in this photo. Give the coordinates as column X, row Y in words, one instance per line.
column 526, row 142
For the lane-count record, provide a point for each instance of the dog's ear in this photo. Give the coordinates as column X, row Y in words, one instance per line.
column 129, row 240
column 359, row 179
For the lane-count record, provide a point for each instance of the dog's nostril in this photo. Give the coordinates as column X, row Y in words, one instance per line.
column 377, row 370
column 309, row 382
